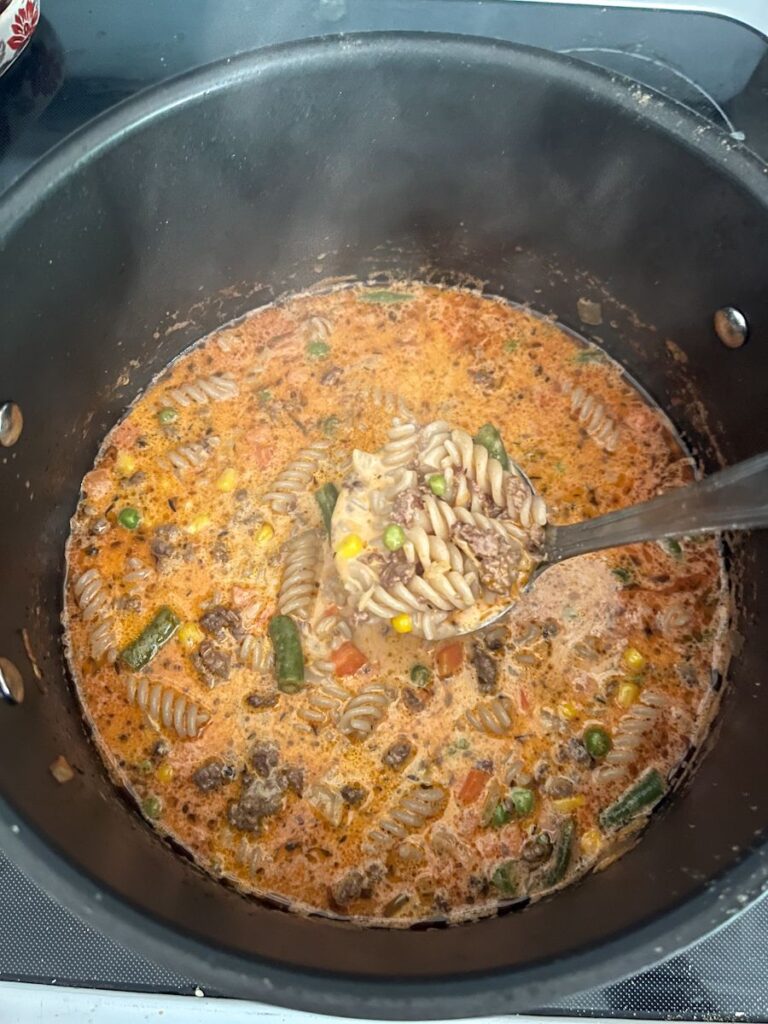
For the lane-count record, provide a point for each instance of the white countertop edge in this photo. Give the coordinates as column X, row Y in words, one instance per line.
column 23, row 1003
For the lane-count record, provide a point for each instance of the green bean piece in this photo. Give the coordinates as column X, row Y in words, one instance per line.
column 672, row 547
column 420, row 675
column 624, row 575
column 521, row 799
column 642, row 795
column 561, row 857
column 489, row 437
column 326, row 498
column 167, row 415
column 504, row 878
column 289, row 657
column 437, row 484
column 394, row 537
column 598, row 741
column 129, row 518
column 143, row 649
column 384, row 298
column 318, row 350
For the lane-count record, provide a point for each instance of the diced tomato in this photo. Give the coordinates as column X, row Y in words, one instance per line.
column 522, row 699
column 261, row 456
column 449, row 660
column 347, row 659
column 241, row 596
column 473, row 786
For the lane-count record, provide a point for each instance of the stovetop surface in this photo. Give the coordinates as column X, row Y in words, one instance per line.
column 85, row 59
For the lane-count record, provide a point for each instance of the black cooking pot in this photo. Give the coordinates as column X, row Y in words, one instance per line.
column 440, row 157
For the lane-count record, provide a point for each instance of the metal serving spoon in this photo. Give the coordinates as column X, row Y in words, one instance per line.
column 735, row 498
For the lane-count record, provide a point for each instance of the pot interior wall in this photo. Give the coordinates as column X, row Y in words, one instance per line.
column 455, row 159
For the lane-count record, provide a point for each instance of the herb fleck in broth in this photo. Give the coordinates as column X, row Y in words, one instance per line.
column 400, row 781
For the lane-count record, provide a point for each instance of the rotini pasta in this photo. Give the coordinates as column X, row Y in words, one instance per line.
column 216, row 388
column 94, row 602
column 167, row 707
column 296, row 477
column 630, row 736
column 593, row 417
column 299, row 585
column 467, row 527
column 363, row 712
column 136, row 574
column 413, row 810
column 190, row 457
column 256, row 653
column 493, row 717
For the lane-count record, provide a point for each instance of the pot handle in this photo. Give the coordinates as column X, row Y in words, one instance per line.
column 753, row 14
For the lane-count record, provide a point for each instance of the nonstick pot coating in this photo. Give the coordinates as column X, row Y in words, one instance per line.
column 455, row 159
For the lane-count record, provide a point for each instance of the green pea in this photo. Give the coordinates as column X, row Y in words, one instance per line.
column 522, row 800
column 437, row 484
column 265, row 396
column 318, row 350
column 152, row 807
column 420, row 675
column 500, row 815
column 129, row 518
column 167, row 415
column 597, row 740
column 394, row 537
column 145, row 767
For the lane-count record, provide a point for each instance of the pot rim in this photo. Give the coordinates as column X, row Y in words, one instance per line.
column 338, row 993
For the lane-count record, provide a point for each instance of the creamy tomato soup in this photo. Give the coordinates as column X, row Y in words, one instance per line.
column 328, row 758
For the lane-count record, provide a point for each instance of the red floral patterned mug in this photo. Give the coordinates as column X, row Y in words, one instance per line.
column 18, row 20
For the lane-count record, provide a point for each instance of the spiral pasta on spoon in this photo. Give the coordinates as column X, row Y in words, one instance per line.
column 436, row 529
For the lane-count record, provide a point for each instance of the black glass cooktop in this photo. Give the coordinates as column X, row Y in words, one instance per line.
column 86, row 58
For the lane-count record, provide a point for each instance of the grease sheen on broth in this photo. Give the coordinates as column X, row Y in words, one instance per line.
column 481, row 772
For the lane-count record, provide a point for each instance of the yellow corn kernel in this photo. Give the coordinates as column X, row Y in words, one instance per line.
column 190, row 635
column 402, row 623
column 591, row 842
column 351, row 547
column 125, row 464
column 568, row 804
column 199, row 523
column 164, row 773
column 627, row 694
column 227, row 482
column 265, row 533
column 634, row 659
column 568, row 710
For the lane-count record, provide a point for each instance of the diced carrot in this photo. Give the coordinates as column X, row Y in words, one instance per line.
column 449, row 660
column 347, row 659
column 473, row 786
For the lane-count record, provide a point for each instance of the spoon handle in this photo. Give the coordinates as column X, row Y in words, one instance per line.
column 735, row 498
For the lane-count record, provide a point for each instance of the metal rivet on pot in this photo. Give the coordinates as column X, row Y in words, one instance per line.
column 731, row 326
column 11, row 423
column 11, row 683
